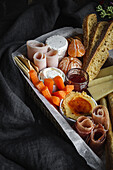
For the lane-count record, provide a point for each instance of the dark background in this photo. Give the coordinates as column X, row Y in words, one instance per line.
column 11, row 9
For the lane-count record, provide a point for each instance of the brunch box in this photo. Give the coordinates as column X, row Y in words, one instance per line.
column 51, row 112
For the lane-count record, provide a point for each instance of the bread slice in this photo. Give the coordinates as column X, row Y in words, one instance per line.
column 100, row 28
column 100, row 52
column 88, row 26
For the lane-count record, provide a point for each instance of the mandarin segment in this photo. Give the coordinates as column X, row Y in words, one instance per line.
column 75, row 63
column 68, row 63
column 64, row 63
column 72, row 50
column 76, row 48
column 80, row 48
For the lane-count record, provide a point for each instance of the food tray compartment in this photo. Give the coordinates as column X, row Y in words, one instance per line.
column 56, row 118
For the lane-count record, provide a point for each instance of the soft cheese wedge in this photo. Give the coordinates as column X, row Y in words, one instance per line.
column 100, row 80
column 101, row 90
column 105, row 72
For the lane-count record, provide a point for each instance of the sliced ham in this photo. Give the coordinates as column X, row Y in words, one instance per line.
column 34, row 46
column 52, row 58
column 40, row 60
column 100, row 115
column 97, row 139
column 83, row 126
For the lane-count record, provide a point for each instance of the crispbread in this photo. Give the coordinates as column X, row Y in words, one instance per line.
column 88, row 26
column 100, row 52
column 100, row 28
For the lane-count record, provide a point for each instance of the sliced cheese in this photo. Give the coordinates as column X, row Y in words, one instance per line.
column 105, row 72
column 101, row 90
column 100, row 80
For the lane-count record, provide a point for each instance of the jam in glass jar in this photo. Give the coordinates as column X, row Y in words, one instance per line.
column 79, row 78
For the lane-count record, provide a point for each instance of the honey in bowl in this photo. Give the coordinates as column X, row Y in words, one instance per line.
column 79, row 78
column 80, row 105
column 76, row 104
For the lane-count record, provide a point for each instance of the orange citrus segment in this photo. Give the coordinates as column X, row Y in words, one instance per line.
column 80, row 48
column 76, row 48
column 72, row 50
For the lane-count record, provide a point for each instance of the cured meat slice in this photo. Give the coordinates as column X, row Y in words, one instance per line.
column 52, row 58
column 40, row 60
column 100, row 115
column 34, row 46
column 83, row 126
column 97, row 139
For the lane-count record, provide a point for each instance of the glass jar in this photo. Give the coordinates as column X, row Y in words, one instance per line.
column 79, row 78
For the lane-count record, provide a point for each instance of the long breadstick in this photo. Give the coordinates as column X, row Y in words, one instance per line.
column 110, row 101
column 103, row 101
column 109, row 149
column 109, row 141
column 22, row 66
column 28, row 63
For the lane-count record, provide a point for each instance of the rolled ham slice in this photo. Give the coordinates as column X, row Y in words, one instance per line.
column 40, row 60
column 34, row 46
column 97, row 139
column 83, row 126
column 100, row 115
column 52, row 58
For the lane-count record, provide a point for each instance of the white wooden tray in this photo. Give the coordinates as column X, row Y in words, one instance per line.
column 82, row 148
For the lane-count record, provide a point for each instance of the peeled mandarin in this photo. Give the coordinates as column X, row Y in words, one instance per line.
column 80, row 48
column 72, row 50
column 76, row 48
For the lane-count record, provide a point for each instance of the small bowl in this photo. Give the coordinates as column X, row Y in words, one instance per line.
column 51, row 72
column 70, row 120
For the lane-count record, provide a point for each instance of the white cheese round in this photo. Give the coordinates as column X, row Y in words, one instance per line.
column 51, row 72
column 59, row 43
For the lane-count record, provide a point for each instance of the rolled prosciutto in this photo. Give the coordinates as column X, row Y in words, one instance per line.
column 52, row 58
column 40, row 60
column 97, row 139
column 100, row 115
column 83, row 126
column 34, row 46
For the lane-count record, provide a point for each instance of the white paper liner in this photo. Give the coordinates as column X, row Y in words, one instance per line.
column 83, row 149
